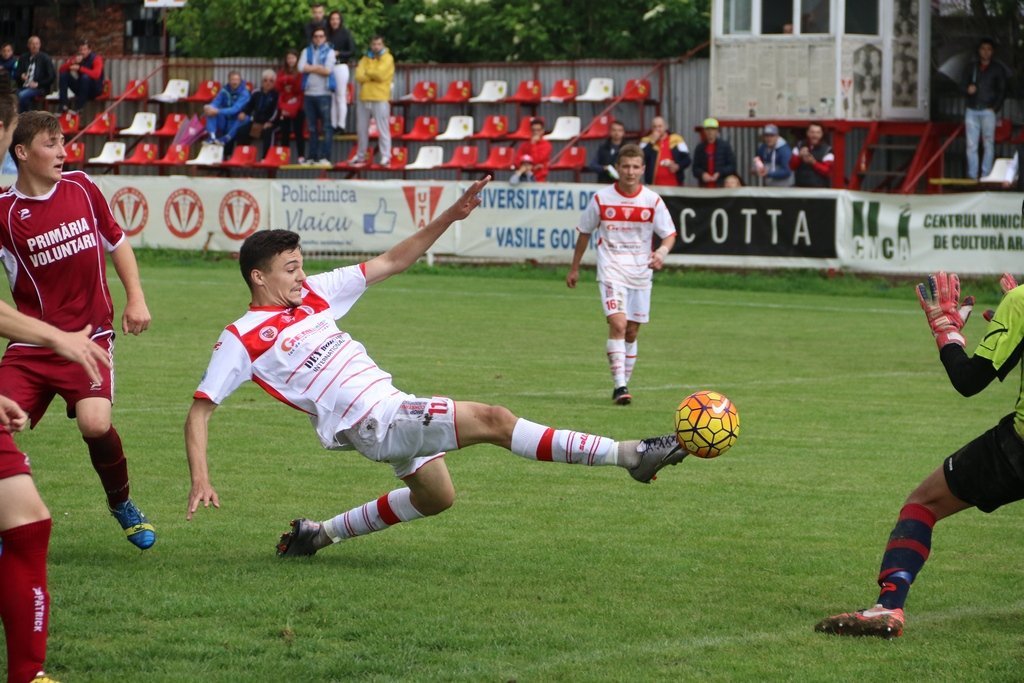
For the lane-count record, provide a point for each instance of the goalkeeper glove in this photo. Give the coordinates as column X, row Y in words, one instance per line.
column 940, row 301
column 1007, row 283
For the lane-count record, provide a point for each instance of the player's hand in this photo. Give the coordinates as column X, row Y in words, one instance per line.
column 11, row 415
column 136, row 318
column 1007, row 283
column 572, row 278
column 80, row 348
column 469, row 200
column 201, row 494
column 940, row 301
column 657, row 259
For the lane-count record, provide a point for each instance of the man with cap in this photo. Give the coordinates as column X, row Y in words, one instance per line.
column 666, row 155
column 771, row 164
column 713, row 159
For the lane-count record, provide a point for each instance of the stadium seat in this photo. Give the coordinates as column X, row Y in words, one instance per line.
column 112, row 153
column 498, row 159
column 572, row 159
column 458, row 93
column 74, row 153
column 464, row 157
column 429, row 157
column 136, row 91
column 243, row 156
column 144, row 123
column 209, row 154
column 492, row 91
column 598, row 90
column 277, row 156
column 495, row 127
column 564, row 90
column 176, row 155
column 176, row 89
column 206, row 92
column 350, row 93
column 522, row 132
column 637, row 90
column 566, row 128
column 53, row 97
column 171, row 125
column 399, row 158
column 598, row 129
column 347, row 164
column 459, row 128
column 423, row 128
column 69, row 122
column 103, row 124
column 422, row 91
column 998, row 173
column 395, row 123
column 144, row 154
column 104, row 92
column 527, row 93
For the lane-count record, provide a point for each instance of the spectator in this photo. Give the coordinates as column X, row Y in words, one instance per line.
column 374, row 73
column 316, row 20
column 732, row 181
column 607, row 154
column 290, row 105
column 340, row 39
column 225, row 115
column 537, row 150
column 523, row 174
column 316, row 63
column 812, row 161
column 713, row 159
column 259, row 117
column 771, row 164
column 666, row 155
column 984, row 83
column 8, row 62
column 82, row 73
column 35, row 74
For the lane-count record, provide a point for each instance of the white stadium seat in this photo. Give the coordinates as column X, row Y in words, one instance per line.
column 459, row 128
column 492, row 91
column 430, row 156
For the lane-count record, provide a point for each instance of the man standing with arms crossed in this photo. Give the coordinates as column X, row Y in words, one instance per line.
column 374, row 73
column 625, row 217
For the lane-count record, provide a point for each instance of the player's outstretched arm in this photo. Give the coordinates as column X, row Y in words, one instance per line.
column 405, row 253
column 196, row 440
column 940, row 301
column 136, row 318
column 75, row 346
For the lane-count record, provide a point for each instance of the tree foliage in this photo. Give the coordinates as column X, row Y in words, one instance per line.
column 454, row 30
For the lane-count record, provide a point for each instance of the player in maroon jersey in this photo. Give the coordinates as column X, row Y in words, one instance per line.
column 55, row 231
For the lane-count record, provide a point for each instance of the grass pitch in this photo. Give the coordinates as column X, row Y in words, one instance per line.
column 540, row 572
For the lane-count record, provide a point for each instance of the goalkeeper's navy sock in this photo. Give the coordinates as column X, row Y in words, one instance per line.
column 909, row 546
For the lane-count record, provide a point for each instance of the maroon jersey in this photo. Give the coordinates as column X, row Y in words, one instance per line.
column 54, row 248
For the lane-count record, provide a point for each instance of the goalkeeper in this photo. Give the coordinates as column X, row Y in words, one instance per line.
column 986, row 473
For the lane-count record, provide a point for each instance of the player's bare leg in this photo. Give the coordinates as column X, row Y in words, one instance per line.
column 107, row 455
column 616, row 350
column 632, row 332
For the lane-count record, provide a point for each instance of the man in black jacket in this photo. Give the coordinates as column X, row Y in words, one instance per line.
column 984, row 83
column 35, row 74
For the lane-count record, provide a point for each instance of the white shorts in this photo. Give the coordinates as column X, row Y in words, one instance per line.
column 635, row 303
column 405, row 431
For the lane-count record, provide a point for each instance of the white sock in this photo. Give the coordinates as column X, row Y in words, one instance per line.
column 377, row 515
column 537, row 442
column 616, row 361
column 630, row 350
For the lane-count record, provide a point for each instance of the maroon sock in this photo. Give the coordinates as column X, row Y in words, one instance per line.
column 24, row 602
column 109, row 462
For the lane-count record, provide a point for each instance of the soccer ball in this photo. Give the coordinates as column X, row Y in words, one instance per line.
column 707, row 424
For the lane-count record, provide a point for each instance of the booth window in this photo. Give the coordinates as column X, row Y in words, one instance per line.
column 814, row 16
column 862, row 18
column 737, row 16
column 776, row 16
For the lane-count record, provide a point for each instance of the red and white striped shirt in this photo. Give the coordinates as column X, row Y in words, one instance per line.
column 625, row 227
column 300, row 356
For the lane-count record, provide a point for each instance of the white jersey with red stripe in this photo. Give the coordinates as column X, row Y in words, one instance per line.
column 625, row 226
column 300, row 356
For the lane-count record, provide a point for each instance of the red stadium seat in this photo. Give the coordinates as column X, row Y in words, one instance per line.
column 144, row 154
column 527, row 93
column 522, row 132
column 206, row 92
column 242, row 157
column 495, row 127
column 499, row 159
column 74, row 154
column 347, row 164
column 103, row 124
column 458, row 92
column 395, row 123
column 105, row 93
column 597, row 129
column 171, row 125
column 69, row 122
column 176, row 155
column 423, row 128
column 399, row 158
column 350, row 93
column 637, row 90
column 572, row 159
column 136, row 91
column 277, row 156
column 423, row 91
column 464, row 157
column 564, row 90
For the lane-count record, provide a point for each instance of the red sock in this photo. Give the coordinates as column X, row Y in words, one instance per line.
column 109, row 462
column 24, row 602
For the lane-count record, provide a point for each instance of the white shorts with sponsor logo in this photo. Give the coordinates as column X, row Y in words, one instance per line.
column 405, row 431
column 616, row 298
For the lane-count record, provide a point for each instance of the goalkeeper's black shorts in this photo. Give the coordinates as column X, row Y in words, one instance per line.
column 989, row 471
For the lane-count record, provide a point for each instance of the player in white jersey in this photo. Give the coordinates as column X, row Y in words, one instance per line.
column 625, row 217
column 290, row 345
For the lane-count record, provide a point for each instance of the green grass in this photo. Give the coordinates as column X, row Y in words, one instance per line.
column 542, row 572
